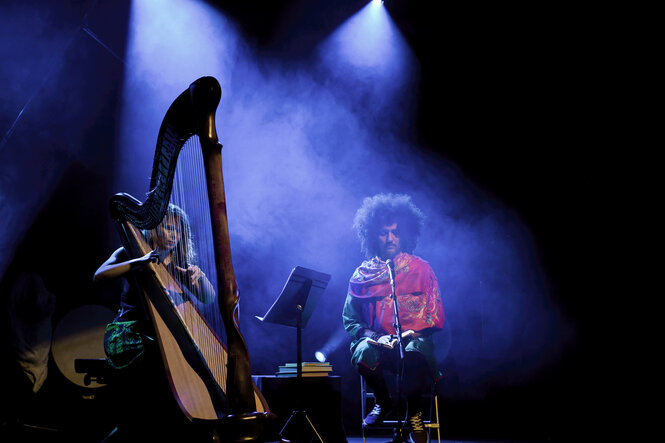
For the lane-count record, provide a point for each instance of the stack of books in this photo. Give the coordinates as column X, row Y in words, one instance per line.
column 309, row 369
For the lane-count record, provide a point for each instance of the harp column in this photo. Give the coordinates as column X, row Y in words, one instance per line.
column 240, row 391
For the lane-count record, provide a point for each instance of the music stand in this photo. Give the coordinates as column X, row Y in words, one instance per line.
column 291, row 309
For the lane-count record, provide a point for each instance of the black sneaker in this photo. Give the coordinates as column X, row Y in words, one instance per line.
column 418, row 432
column 377, row 415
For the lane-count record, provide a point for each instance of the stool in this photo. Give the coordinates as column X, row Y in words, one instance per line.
column 431, row 423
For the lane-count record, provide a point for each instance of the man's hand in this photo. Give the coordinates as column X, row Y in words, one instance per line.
column 386, row 339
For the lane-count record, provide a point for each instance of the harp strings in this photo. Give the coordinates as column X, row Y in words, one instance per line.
column 197, row 305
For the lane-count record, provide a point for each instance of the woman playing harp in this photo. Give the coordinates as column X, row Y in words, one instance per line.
column 172, row 247
column 129, row 342
column 211, row 382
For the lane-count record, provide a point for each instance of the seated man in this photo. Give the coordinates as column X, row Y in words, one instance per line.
column 388, row 226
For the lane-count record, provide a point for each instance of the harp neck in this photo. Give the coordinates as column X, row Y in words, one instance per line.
column 192, row 113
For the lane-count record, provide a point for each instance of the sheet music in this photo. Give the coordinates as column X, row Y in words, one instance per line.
column 283, row 311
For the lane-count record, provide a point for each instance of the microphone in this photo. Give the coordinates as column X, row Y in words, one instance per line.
column 391, row 271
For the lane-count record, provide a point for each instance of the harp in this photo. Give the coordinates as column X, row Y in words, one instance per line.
column 210, row 381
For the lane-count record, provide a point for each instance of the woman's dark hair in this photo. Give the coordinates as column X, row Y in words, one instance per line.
column 383, row 210
column 183, row 253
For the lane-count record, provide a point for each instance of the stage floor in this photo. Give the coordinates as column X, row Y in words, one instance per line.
column 388, row 439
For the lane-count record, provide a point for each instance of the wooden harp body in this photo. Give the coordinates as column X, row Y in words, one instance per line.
column 209, row 380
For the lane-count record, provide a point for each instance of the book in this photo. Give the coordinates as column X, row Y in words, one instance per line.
column 393, row 342
column 304, row 374
column 294, row 369
column 308, row 369
column 308, row 364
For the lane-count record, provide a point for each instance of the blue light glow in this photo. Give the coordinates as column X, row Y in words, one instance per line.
column 165, row 53
column 370, row 40
column 303, row 144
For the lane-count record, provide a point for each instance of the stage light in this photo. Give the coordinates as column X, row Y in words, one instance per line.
column 370, row 41
column 320, row 356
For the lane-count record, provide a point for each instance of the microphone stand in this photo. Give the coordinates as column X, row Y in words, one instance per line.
column 400, row 435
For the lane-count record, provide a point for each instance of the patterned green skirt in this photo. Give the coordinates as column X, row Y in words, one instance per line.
column 123, row 343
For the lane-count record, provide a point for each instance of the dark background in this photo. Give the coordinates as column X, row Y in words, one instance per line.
column 510, row 98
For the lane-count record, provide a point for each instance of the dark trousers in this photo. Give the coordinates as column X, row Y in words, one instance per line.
column 416, row 381
column 145, row 407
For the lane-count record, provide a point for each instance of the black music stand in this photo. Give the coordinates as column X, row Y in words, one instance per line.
column 291, row 309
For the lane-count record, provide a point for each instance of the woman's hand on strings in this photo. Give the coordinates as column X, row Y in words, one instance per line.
column 117, row 264
column 204, row 291
column 195, row 273
column 151, row 257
